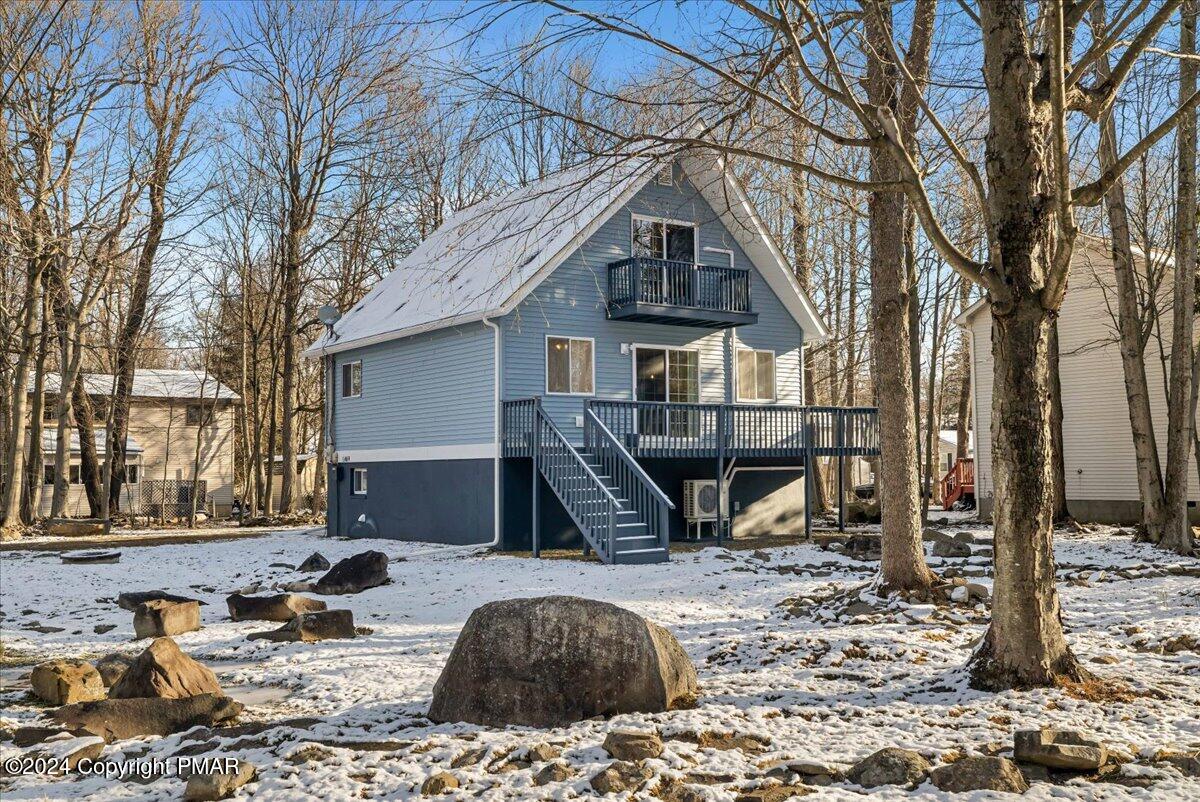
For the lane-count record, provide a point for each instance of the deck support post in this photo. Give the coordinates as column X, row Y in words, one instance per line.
column 720, row 475
column 535, row 492
column 809, row 487
column 841, row 470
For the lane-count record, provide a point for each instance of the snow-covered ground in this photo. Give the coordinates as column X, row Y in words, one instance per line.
column 807, row 687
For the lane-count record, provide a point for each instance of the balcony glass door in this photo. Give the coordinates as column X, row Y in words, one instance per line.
column 667, row 374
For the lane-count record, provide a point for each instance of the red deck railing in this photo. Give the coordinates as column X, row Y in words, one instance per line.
column 959, row 481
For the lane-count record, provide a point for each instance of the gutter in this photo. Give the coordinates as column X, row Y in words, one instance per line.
column 495, row 434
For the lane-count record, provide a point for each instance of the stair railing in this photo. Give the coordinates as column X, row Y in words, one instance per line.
column 591, row 504
column 644, row 496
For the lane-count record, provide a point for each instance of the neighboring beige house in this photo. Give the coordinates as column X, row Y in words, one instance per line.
column 1101, row 480
column 306, row 479
column 167, row 411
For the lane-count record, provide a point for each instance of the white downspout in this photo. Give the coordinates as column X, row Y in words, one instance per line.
column 495, row 435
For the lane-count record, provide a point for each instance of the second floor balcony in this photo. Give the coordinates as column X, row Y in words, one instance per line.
column 651, row 290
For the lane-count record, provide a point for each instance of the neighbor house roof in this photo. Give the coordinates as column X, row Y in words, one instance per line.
column 155, row 383
column 50, row 442
column 485, row 260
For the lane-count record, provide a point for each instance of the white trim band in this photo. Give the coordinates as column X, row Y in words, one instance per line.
column 419, row 453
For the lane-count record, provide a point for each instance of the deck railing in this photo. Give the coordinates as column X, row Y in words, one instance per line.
column 958, row 480
column 643, row 496
column 670, row 429
column 665, row 282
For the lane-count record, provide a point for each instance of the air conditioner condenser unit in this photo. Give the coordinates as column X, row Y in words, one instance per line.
column 700, row 500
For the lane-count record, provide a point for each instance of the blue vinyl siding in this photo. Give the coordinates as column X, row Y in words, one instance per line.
column 427, row 390
column 571, row 302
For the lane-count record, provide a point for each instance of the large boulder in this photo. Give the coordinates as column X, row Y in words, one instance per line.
column 889, row 766
column 164, row 671
column 980, row 774
column 76, row 527
column 160, row 618
column 65, row 682
column 280, row 607
column 312, row 627
column 355, row 574
column 954, row 549
column 1059, row 749
column 863, row 512
column 118, row 719
column 130, row 601
column 550, row 661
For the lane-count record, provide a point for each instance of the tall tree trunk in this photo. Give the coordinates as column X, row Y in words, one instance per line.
column 1025, row 645
column 962, row 425
column 34, row 460
column 903, row 565
column 1058, row 462
column 1176, row 531
column 89, row 460
column 287, row 436
column 14, row 472
column 1130, row 328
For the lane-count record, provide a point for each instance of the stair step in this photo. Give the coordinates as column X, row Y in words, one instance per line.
column 641, row 556
column 636, row 543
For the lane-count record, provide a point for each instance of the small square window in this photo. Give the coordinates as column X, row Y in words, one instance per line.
column 76, row 474
column 755, row 375
column 48, row 473
column 570, row 368
column 358, row 482
column 352, row 379
column 131, row 474
column 199, row 415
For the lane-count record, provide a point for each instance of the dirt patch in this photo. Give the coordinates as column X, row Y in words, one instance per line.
column 117, row 539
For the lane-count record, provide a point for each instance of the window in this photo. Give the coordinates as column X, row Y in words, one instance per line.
column 667, row 374
column 76, row 474
column 199, row 414
column 570, row 368
column 358, row 481
column 664, row 175
column 352, row 379
column 664, row 239
column 131, row 474
column 755, row 375
column 48, row 473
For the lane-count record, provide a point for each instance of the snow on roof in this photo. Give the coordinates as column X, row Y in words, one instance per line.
column 155, row 383
column 484, row 260
column 50, row 442
column 481, row 256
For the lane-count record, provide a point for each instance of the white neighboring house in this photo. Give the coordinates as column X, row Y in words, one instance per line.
column 168, row 410
column 1101, row 479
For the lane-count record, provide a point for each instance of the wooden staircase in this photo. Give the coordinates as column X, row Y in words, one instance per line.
column 958, row 483
column 619, row 510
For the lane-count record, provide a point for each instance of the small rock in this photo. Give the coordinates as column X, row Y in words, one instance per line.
column 288, row 566
column 112, row 667
column 103, row 629
column 280, row 607
column 964, row 537
column 555, row 772
column 1059, row 749
column 889, row 766
column 633, row 745
column 951, row 548
column 164, row 671
column 543, row 752
column 130, row 601
column 977, row 591
column 469, row 758
column 312, row 627
column 65, row 682
column 773, row 793
column 160, row 618
column 355, row 574
column 439, row 783
column 980, row 774
column 1188, row 763
column 314, row 562
column 960, row 594
column 28, row 736
column 620, row 776
column 218, row 785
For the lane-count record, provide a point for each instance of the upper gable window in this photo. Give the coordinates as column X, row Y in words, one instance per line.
column 664, row 175
column 755, row 375
column 657, row 238
column 352, row 379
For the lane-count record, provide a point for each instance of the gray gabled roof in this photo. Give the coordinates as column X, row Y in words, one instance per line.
column 155, row 383
column 485, row 260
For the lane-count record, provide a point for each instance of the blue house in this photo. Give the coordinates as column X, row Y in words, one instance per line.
column 610, row 358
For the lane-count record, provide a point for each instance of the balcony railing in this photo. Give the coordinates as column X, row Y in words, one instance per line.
column 680, row 293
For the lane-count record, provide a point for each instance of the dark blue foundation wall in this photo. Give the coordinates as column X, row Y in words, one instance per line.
column 433, row 501
column 558, row 531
